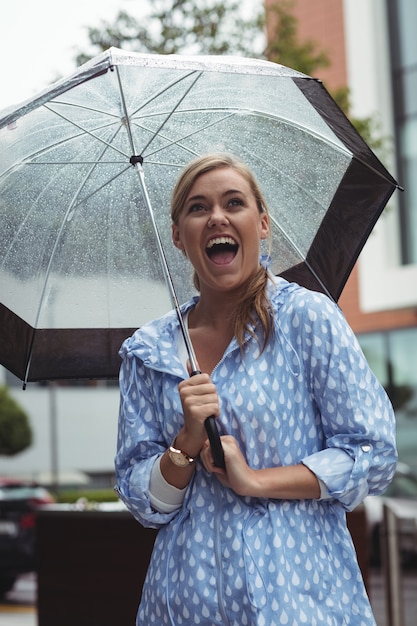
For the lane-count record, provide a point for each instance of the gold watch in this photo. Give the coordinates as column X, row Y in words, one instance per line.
column 178, row 457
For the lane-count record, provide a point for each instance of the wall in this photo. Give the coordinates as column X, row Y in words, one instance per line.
column 86, row 430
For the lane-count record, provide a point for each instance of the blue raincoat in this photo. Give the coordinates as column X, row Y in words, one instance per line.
column 310, row 397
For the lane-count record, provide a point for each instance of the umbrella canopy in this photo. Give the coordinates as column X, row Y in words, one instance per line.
column 79, row 265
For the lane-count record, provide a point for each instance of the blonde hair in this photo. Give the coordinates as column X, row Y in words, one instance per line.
column 254, row 310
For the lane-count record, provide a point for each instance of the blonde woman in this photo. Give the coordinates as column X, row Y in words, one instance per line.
column 306, row 429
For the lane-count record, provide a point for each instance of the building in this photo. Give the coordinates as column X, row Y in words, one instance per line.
column 373, row 50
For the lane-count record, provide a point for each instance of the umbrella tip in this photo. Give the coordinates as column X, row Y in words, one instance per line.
column 136, row 159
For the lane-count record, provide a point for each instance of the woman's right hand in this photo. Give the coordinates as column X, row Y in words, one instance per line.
column 199, row 399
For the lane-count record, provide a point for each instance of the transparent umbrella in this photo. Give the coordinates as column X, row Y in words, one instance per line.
column 86, row 172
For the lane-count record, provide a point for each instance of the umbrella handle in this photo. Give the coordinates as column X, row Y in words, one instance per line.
column 213, row 436
column 215, row 443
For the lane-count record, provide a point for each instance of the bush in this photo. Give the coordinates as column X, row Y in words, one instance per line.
column 92, row 495
column 15, row 430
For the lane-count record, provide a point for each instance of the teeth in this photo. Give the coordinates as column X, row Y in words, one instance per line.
column 221, row 240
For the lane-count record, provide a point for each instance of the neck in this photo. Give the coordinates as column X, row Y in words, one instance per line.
column 211, row 330
column 215, row 312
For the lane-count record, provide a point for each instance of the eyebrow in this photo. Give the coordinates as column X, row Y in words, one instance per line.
column 229, row 192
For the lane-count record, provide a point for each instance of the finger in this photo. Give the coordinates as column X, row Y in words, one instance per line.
column 195, row 397
column 197, row 381
column 208, row 460
column 206, row 456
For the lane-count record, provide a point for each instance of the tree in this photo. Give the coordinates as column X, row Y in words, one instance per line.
column 182, row 26
column 219, row 27
column 15, row 430
column 285, row 48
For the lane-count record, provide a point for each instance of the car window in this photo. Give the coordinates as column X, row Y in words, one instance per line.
column 19, row 493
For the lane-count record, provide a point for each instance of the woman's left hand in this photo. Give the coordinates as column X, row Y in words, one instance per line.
column 238, row 476
column 284, row 482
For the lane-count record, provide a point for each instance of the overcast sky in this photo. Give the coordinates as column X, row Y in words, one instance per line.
column 39, row 40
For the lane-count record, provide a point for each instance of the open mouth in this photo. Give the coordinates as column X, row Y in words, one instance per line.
column 222, row 250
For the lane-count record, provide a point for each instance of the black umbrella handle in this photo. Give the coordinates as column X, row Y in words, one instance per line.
column 215, row 443
column 213, row 436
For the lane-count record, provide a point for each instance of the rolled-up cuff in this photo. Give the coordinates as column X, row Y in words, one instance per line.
column 333, row 468
column 164, row 498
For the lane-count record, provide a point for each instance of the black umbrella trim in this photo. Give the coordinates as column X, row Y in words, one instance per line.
column 60, row 354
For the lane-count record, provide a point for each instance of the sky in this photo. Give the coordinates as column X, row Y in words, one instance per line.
column 39, row 40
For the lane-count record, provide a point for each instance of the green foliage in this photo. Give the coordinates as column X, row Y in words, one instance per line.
column 306, row 57
column 370, row 130
column 90, row 495
column 368, row 127
column 218, row 27
column 181, row 26
column 286, row 49
column 15, row 430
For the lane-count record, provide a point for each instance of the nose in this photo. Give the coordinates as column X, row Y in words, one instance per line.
column 217, row 217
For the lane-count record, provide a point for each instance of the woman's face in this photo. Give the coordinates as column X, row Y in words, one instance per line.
column 220, row 228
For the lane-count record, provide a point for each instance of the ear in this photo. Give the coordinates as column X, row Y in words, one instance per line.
column 264, row 227
column 176, row 239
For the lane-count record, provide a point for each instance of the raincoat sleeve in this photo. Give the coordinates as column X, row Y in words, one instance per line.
column 140, row 441
column 357, row 418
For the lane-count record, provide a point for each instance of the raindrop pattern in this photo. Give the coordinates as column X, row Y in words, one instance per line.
column 309, row 397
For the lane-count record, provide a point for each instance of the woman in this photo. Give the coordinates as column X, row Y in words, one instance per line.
column 307, row 431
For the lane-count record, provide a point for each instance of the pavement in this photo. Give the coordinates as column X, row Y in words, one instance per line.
column 20, row 606
column 18, row 616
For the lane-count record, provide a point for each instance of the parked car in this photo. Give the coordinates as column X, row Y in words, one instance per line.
column 403, row 492
column 19, row 501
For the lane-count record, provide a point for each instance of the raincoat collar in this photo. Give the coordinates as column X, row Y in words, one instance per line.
column 154, row 342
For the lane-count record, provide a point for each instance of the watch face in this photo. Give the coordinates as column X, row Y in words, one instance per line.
column 178, row 458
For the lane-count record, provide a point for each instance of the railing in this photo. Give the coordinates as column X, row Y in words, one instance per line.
column 399, row 530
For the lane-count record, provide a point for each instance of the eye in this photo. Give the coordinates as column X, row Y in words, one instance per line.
column 235, row 202
column 195, row 208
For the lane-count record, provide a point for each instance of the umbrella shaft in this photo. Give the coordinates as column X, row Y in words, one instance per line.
column 167, row 272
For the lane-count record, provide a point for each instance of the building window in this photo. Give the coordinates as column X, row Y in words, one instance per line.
column 402, row 16
column 392, row 357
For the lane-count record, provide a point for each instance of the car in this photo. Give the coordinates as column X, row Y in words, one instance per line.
column 19, row 501
column 402, row 493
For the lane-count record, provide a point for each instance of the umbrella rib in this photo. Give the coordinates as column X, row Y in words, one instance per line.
column 164, row 90
column 176, row 142
column 69, row 213
column 85, row 162
column 68, row 216
column 255, row 112
column 172, row 112
column 88, row 132
column 194, row 153
column 285, row 235
column 126, row 116
column 108, row 181
column 142, row 106
column 232, row 113
column 167, row 272
column 28, row 159
column 300, row 254
column 73, row 204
